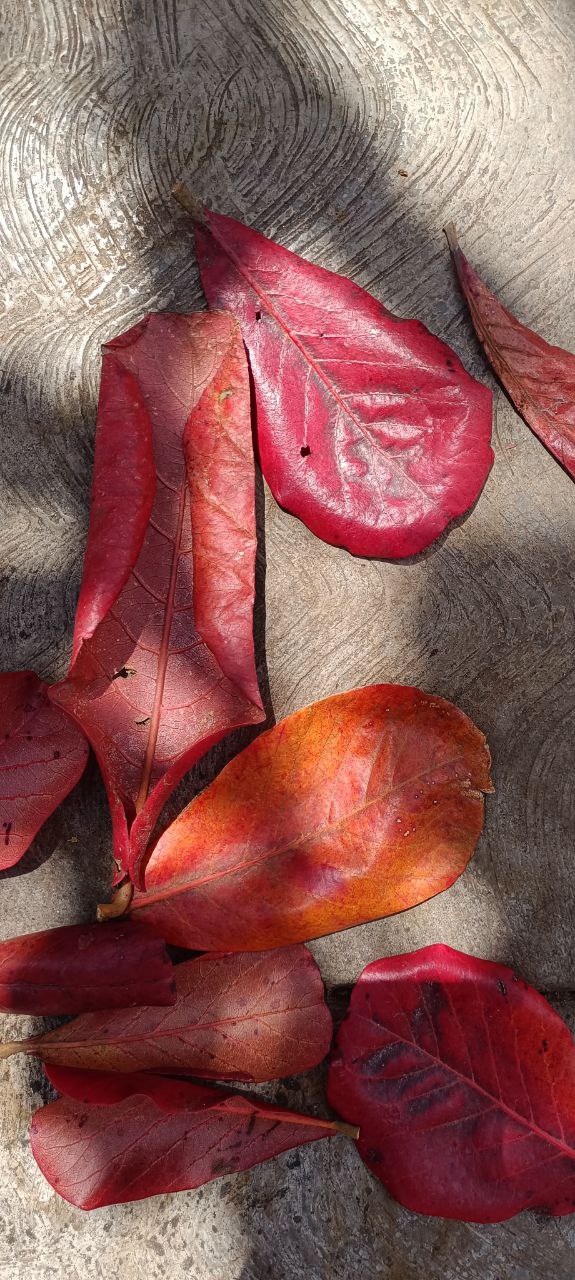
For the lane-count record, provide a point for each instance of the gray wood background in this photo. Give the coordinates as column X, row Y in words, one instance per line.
column 350, row 130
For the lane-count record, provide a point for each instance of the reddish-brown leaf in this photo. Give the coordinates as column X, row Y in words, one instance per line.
column 462, row 1079
column 354, row 808
column 121, row 1138
column 42, row 756
column 369, row 428
column 250, row 1017
column 85, row 966
column 164, row 663
column 540, row 379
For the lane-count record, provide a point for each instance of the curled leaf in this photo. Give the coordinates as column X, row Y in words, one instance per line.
column 539, row 378
column 119, row 1138
column 164, row 658
column 462, row 1079
column 236, row 1017
column 42, row 756
column 369, row 428
column 354, row 808
column 84, row 966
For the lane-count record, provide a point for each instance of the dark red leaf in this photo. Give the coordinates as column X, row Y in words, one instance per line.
column 354, row 808
column 462, row 1079
column 369, row 428
column 164, row 662
column 150, row 1134
column 237, row 1017
column 85, row 966
column 42, row 756
column 540, row 379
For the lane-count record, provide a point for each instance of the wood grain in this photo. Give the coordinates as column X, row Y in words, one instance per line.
column 351, row 130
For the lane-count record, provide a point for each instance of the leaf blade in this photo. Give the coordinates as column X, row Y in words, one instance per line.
column 475, row 1070
column 167, row 1136
column 354, row 808
column 148, row 688
column 84, row 967
column 236, row 1017
column 42, row 756
column 539, row 378
column 369, row 428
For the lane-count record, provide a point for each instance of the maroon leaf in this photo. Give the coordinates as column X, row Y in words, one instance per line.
column 84, row 966
column 462, row 1079
column 150, row 1134
column 369, row 428
column 42, row 756
column 164, row 662
column 540, row 379
column 236, row 1017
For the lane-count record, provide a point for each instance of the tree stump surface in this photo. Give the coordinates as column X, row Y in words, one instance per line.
column 351, row 131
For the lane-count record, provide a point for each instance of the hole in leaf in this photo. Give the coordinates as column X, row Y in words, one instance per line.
column 305, row 451
column 258, row 315
column 123, row 673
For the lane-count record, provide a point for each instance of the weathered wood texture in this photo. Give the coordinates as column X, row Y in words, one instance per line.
column 350, row 130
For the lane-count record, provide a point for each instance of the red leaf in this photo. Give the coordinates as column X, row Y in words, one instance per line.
column 237, row 1017
column 354, row 808
column 164, row 645
column 539, row 379
column 151, row 1134
column 84, row 966
column 462, row 1079
column 42, row 756
column 369, row 428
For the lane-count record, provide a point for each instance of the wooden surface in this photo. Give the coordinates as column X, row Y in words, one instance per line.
column 350, row 130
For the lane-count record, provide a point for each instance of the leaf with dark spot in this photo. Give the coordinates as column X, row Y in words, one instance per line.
column 460, row 1115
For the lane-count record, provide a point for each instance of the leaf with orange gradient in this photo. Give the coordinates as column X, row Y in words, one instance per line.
column 354, row 808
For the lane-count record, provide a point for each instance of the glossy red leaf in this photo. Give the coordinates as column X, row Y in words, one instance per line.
column 369, row 428
column 539, row 378
column 354, row 808
column 150, row 1134
column 236, row 1017
column 42, row 756
column 462, row 1080
column 85, row 966
column 164, row 663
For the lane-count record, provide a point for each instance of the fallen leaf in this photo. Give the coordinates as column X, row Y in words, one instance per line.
column 42, row 756
column 236, row 1017
column 124, row 1138
column 539, row 378
column 369, row 428
column 462, row 1078
column 164, row 659
column 84, row 966
column 354, row 808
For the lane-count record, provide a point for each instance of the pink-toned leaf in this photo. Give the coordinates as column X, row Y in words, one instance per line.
column 369, row 428
column 85, row 966
column 130, row 1137
column 539, row 378
column 462, row 1080
column 165, row 660
column 236, row 1017
column 42, row 756
column 351, row 809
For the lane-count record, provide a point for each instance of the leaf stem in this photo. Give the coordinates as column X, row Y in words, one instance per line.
column 450, row 231
column 14, row 1046
column 119, row 904
column 183, row 195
